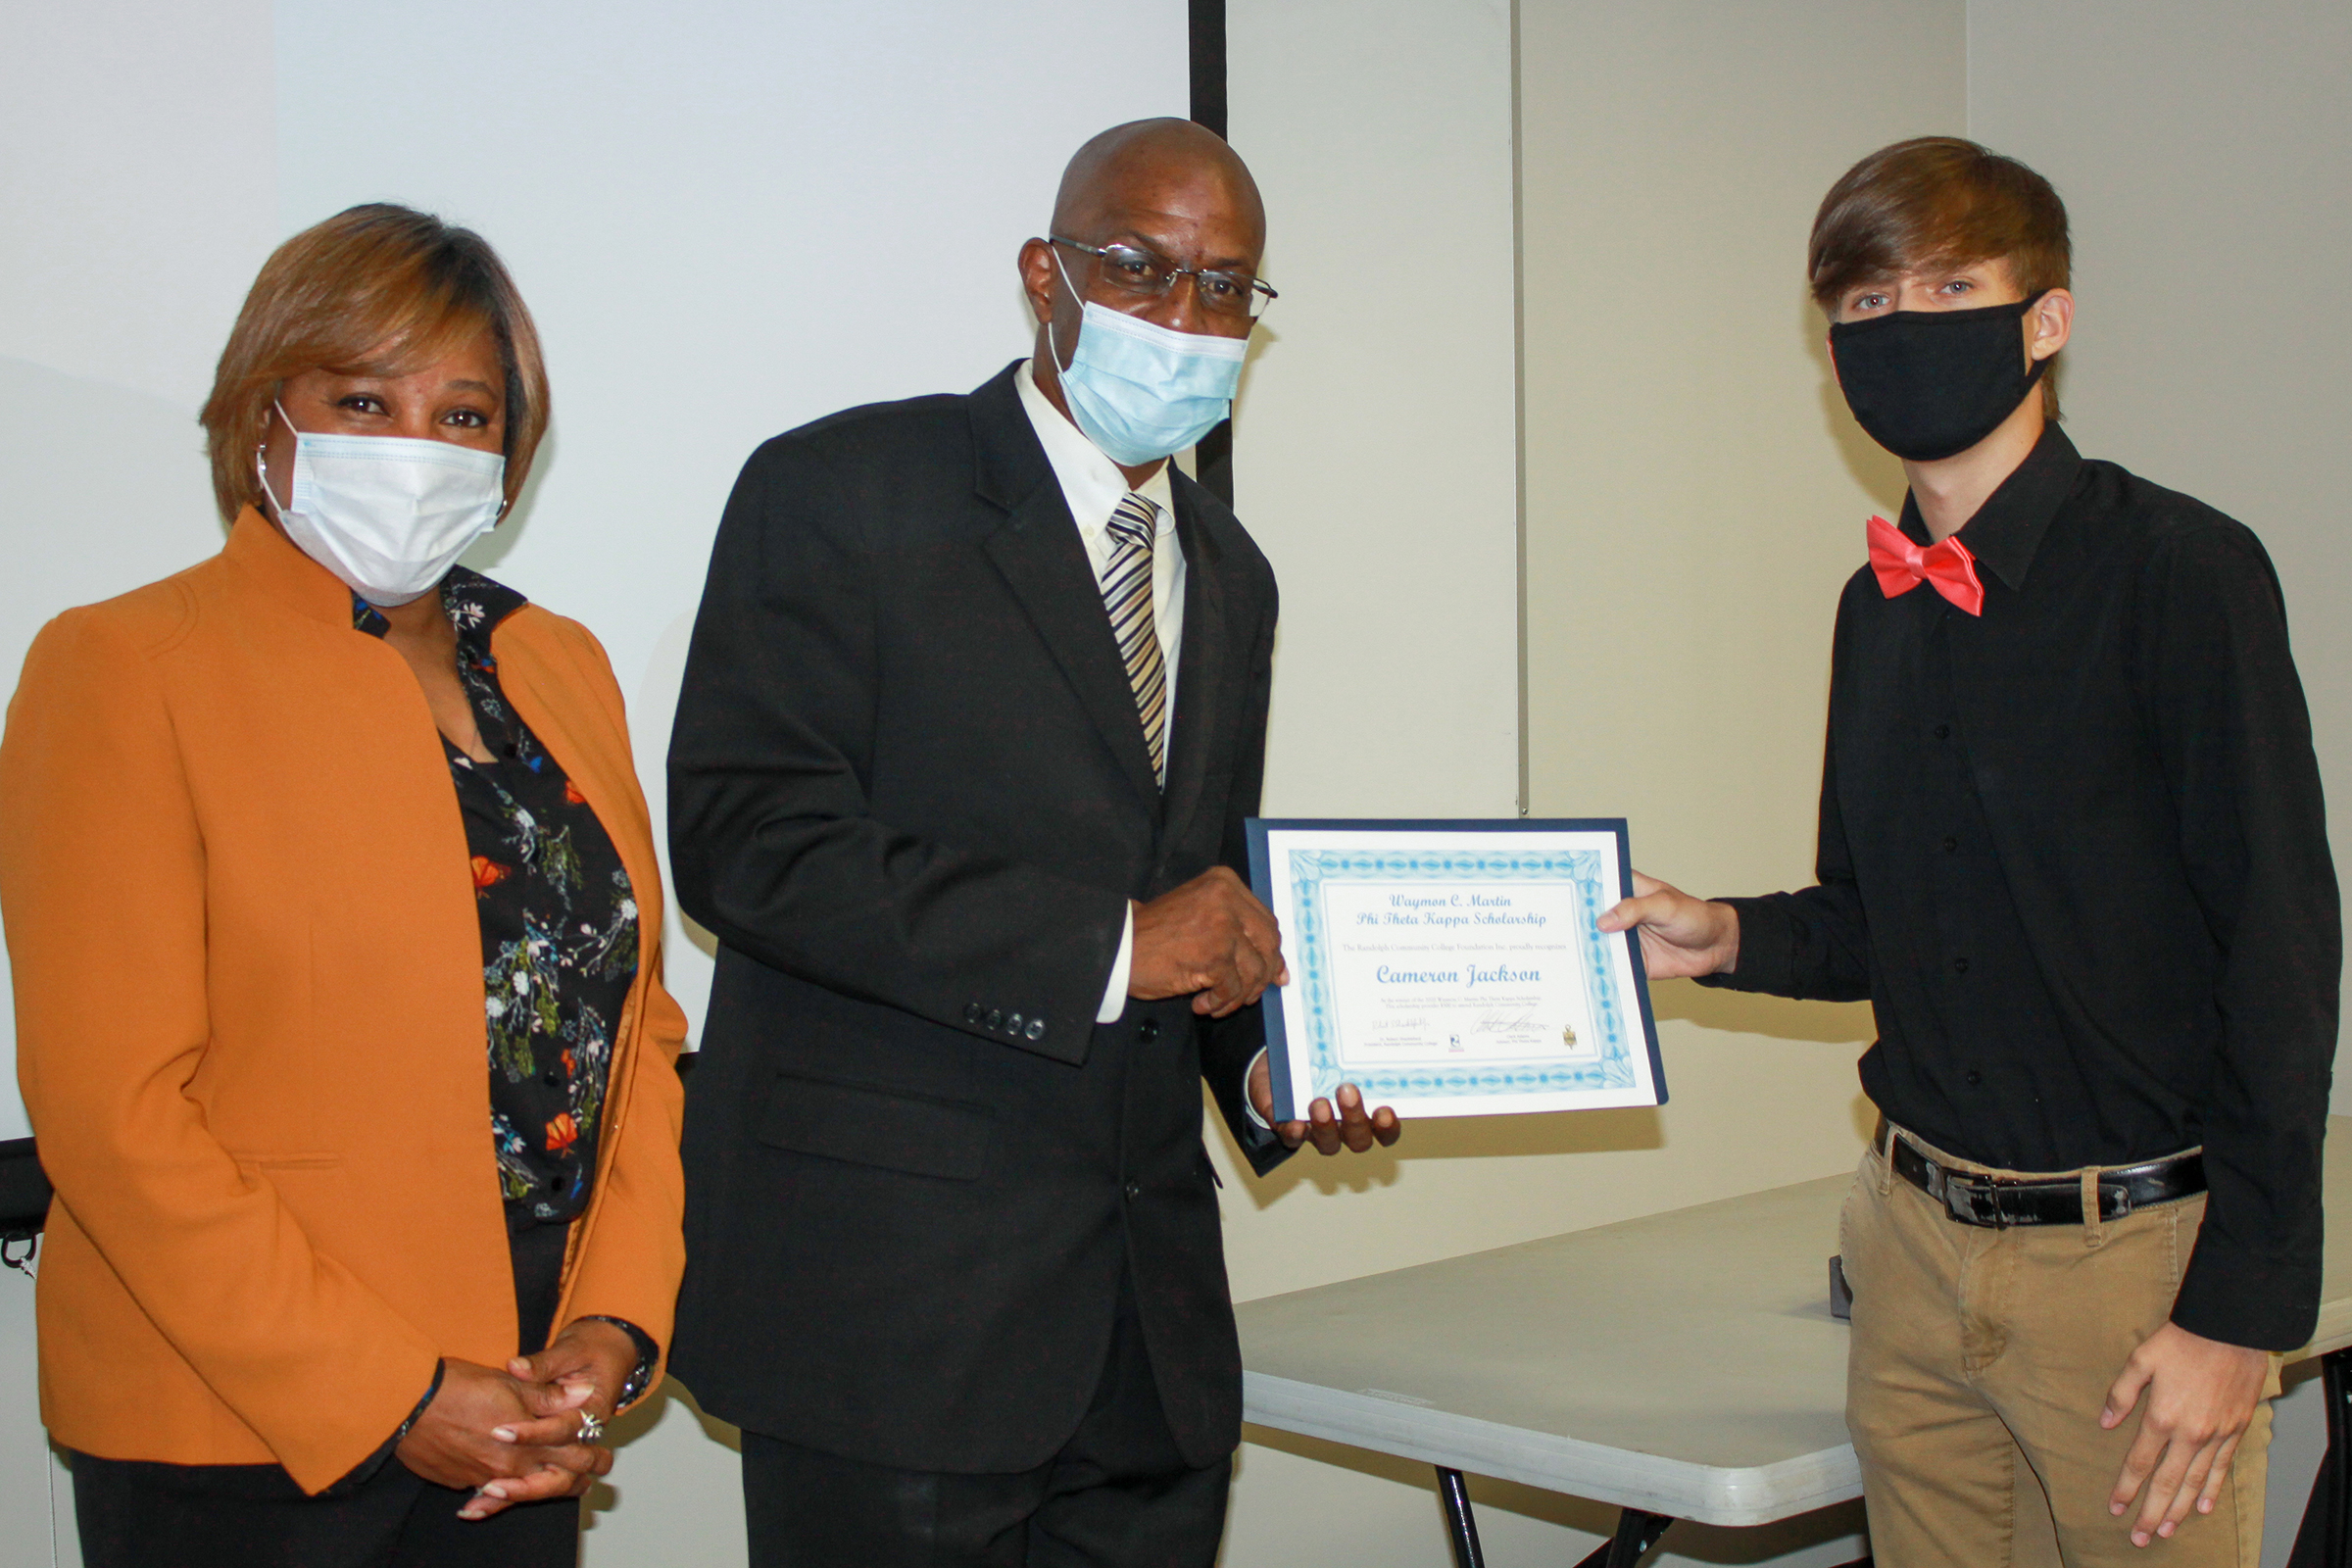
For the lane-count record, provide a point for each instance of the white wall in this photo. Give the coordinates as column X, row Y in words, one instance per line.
column 728, row 219
column 137, row 195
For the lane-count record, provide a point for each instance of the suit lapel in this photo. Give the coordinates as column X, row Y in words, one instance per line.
column 1041, row 559
column 1201, row 668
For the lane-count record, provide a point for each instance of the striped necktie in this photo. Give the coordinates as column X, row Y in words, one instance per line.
column 1127, row 595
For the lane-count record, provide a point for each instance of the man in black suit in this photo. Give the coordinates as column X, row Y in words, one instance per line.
column 975, row 709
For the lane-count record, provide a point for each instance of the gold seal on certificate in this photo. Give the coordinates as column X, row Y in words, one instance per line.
column 1455, row 969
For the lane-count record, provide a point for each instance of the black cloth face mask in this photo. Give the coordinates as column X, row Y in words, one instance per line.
column 1927, row 384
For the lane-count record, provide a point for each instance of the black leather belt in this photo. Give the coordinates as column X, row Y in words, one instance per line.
column 2000, row 1202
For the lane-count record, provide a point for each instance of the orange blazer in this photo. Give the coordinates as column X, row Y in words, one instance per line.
column 249, row 1019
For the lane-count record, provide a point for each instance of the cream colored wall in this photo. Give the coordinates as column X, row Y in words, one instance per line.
column 1695, row 491
column 1693, row 502
column 1694, row 494
column 2205, row 154
column 1374, row 456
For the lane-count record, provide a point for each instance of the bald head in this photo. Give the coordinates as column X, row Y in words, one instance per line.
column 1165, row 187
column 1161, row 168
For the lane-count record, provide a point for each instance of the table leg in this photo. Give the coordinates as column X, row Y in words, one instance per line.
column 1636, row 1533
column 1462, row 1526
column 2322, row 1541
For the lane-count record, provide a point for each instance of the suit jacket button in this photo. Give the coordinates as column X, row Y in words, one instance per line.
column 1037, row 1028
column 1013, row 1023
column 1148, row 1031
column 974, row 1012
column 1133, row 1191
column 996, row 1018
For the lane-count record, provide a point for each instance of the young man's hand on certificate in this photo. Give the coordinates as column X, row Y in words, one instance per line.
column 1681, row 935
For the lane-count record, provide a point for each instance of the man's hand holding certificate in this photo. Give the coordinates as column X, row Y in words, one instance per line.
column 1455, row 969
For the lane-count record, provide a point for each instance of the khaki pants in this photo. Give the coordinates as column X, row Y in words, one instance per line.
column 1981, row 1358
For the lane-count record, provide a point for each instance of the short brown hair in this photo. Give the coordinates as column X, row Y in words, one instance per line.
column 1937, row 200
column 375, row 290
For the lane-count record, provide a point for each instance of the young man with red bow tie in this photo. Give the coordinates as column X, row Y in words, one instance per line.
column 2074, row 852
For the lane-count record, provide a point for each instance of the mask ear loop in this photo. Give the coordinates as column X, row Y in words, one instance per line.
column 1055, row 251
column 2035, row 371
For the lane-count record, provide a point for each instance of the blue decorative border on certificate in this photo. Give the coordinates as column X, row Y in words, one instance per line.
column 1615, row 1067
column 1581, row 869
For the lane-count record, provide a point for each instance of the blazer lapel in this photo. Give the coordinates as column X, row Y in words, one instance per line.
column 1038, row 552
column 555, row 706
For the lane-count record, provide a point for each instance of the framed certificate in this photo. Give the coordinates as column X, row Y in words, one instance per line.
column 1455, row 969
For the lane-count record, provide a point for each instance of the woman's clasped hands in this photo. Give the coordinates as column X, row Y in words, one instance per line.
column 528, row 1432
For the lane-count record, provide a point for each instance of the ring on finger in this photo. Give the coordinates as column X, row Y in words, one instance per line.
column 592, row 1426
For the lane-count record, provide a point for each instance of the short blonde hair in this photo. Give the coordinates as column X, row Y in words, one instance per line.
column 376, row 290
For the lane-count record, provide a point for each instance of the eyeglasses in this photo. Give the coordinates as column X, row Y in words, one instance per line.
column 1140, row 273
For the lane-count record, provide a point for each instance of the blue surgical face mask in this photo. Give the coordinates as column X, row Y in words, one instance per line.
column 386, row 514
column 1140, row 391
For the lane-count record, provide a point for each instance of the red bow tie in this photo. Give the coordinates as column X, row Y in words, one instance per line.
column 1902, row 566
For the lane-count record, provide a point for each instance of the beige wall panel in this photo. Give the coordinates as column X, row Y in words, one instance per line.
column 1696, row 496
column 1374, row 455
column 2205, row 156
column 1694, row 500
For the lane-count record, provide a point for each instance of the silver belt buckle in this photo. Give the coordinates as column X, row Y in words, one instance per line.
column 1972, row 1202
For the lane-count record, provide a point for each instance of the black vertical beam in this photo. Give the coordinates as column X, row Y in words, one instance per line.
column 1207, row 20
column 1212, row 456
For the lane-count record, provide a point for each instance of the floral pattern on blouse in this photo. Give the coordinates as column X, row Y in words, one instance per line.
column 559, row 922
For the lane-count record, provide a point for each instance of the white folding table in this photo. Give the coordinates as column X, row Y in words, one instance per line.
column 1568, row 1364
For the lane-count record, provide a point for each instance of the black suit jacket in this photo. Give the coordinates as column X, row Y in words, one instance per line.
column 909, row 793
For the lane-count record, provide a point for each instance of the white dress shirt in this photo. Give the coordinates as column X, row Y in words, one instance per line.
column 1094, row 487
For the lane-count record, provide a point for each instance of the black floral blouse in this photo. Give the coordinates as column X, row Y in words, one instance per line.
column 559, row 928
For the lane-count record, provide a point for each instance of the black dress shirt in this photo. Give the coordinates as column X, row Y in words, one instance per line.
column 2074, row 854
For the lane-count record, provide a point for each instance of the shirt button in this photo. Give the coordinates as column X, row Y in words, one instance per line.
column 1959, row 966
column 552, row 1078
column 1951, row 844
column 1943, row 732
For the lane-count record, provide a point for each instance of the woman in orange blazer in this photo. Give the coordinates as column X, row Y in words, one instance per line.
column 335, row 923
